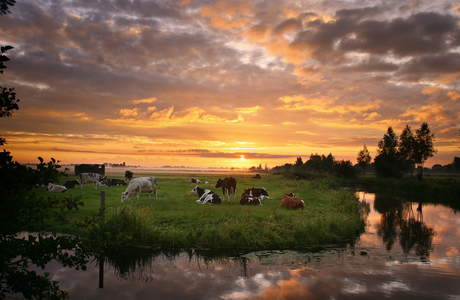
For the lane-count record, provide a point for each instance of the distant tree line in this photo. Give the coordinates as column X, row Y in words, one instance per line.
column 399, row 155
column 395, row 157
column 318, row 165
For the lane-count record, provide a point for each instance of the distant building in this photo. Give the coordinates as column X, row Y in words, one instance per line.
column 89, row 168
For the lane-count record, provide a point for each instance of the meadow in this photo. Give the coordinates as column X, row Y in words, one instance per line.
column 175, row 220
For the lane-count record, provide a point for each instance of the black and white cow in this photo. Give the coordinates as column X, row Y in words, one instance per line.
column 70, row 184
column 91, row 177
column 228, row 187
column 114, row 182
column 54, row 188
column 206, row 196
column 128, row 175
column 259, row 193
column 250, row 200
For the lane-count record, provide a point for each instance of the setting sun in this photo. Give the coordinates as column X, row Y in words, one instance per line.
column 261, row 91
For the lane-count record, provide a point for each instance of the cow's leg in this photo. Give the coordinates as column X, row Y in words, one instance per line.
column 82, row 185
column 95, row 185
column 156, row 195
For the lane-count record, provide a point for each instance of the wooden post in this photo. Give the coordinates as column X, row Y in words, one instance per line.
column 101, row 256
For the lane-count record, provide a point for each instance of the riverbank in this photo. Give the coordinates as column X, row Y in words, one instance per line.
column 175, row 220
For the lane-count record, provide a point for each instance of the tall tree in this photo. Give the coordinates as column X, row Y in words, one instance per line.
column 364, row 159
column 406, row 149
column 424, row 147
column 387, row 162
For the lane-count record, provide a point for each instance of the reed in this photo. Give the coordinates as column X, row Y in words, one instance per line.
column 175, row 220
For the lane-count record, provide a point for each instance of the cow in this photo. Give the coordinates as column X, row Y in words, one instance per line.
column 290, row 201
column 54, row 188
column 128, row 175
column 91, row 177
column 257, row 176
column 250, row 200
column 140, row 185
column 206, row 196
column 259, row 193
column 194, row 180
column 70, row 184
column 114, row 182
column 228, row 186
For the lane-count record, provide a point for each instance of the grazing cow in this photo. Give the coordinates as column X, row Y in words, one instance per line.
column 290, row 201
column 250, row 200
column 91, row 177
column 71, row 184
column 114, row 182
column 54, row 188
column 194, row 180
column 140, row 185
column 206, row 196
column 257, row 176
column 128, row 175
column 259, row 193
column 228, row 186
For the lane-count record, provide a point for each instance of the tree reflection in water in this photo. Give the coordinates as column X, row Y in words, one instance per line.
column 399, row 221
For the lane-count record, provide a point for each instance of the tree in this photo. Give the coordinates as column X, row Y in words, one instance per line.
column 387, row 162
column 22, row 210
column 344, row 169
column 364, row 159
column 406, row 149
column 423, row 148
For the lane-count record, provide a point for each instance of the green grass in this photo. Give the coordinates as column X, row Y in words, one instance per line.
column 176, row 220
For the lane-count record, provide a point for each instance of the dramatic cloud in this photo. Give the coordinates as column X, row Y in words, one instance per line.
column 146, row 81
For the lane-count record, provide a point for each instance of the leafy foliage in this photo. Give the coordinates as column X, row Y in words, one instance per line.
column 364, row 159
column 21, row 209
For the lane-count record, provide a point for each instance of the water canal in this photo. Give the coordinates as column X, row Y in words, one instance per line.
column 409, row 251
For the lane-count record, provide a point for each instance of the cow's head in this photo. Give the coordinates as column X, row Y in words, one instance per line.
column 124, row 197
column 194, row 191
column 264, row 192
column 219, row 183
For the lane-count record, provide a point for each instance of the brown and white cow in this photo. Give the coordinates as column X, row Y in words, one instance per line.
column 91, row 177
column 228, row 187
column 250, row 200
column 290, row 201
column 194, row 181
column 140, row 185
column 206, row 196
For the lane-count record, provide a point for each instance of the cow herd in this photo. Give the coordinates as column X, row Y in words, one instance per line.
column 251, row 196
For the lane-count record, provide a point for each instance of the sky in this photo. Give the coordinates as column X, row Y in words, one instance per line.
column 228, row 83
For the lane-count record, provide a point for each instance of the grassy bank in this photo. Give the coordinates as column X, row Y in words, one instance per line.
column 176, row 220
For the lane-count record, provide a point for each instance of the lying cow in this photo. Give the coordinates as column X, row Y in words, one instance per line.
column 250, row 200
column 128, row 175
column 228, row 187
column 140, row 185
column 206, row 196
column 194, row 181
column 290, row 201
column 114, row 182
column 54, row 188
column 70, row 184
column 91, row 177
column 259, row 193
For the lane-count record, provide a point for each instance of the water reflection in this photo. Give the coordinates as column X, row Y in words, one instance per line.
column 409, row 250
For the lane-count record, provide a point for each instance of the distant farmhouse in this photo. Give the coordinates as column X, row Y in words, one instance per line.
column 90, row 168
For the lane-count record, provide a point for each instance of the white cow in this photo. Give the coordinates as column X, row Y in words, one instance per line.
column 140, row 185
column 54, row 188
column 91, row 177
column 194, row 180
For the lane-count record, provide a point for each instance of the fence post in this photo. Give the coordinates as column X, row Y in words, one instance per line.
column 101, row 256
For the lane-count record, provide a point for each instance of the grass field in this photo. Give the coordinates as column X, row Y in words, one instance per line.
column 176, row 220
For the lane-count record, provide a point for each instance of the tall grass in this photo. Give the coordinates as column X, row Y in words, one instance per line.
column 177, row 221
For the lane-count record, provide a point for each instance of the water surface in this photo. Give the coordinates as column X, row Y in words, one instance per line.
column 409, row 251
